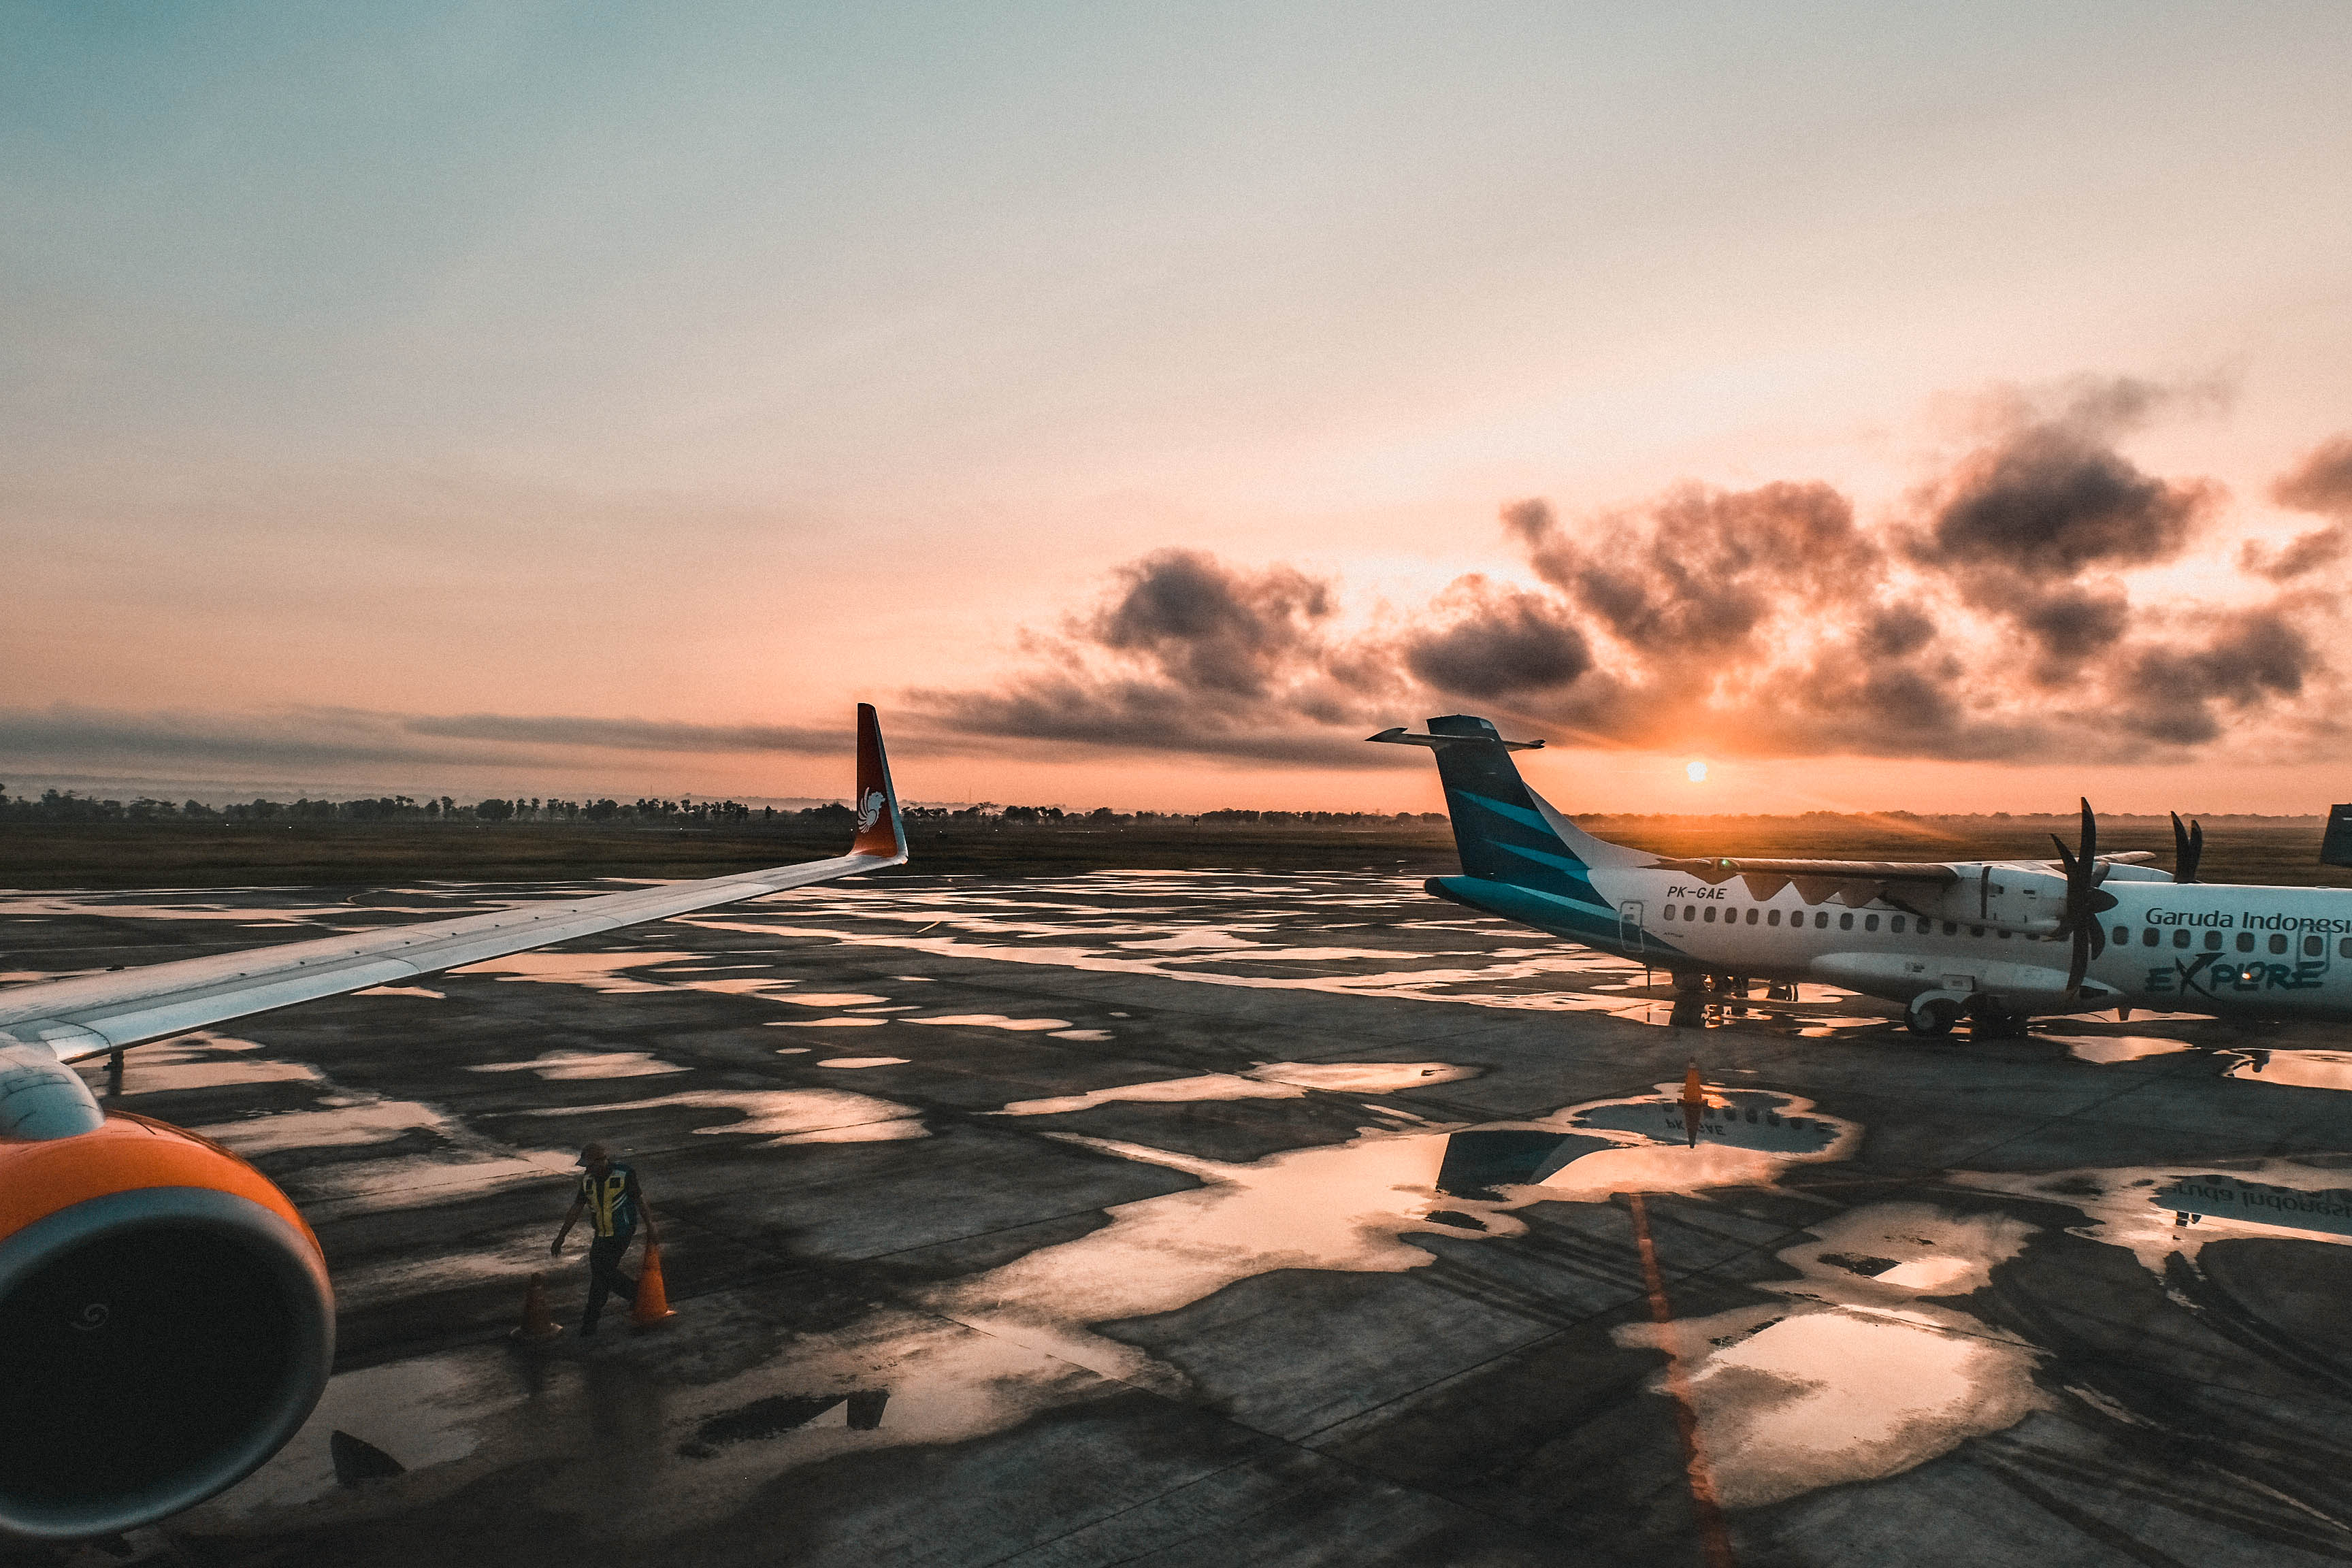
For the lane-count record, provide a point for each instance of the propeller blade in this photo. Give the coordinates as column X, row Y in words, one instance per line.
column 2084, row 902
column 2187, row 848
column 2065, row 858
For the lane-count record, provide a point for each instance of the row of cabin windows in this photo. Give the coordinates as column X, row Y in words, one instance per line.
column 1894, row 923
column 2313, row 946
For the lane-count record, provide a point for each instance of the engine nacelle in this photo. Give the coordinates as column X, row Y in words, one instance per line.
column 2021, row 898
column 165, row 1325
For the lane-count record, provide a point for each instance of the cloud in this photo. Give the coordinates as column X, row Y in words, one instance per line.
column 2247, row 659
column 1992, row 614
column 2033, row 527
column 300, row 738
column 1502, row 642
column 1187, row 653
column 65, row 737
column 1209, row 628
column 2052, row 501
column 1701, row 569
column 633, row 734
column 2306, row 553
column 2322, row 482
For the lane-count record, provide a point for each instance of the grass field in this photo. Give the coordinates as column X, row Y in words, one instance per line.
column 193, row 855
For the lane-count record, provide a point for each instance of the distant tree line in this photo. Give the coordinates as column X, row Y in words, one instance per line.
column 55, row 805
column 66, row 806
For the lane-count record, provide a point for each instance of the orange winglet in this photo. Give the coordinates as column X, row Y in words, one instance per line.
column 877, row 803
column 653, row 1298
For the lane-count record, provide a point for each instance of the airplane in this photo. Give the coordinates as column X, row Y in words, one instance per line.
column 1997, row 942
column 166, row 1320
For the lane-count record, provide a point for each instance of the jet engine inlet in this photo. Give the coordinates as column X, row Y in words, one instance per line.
column 157, row 1343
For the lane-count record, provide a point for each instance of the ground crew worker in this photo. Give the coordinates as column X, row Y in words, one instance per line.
column 609, row 1195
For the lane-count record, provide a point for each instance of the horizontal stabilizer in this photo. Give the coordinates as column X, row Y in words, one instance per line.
column 1398, row 736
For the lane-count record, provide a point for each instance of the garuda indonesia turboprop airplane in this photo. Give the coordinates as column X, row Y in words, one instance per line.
column 165, row 1317
column 1995, row 941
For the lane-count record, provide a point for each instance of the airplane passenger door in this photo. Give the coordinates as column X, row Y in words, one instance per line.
column 1629, row 926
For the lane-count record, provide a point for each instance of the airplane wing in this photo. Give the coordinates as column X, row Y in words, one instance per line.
column 1717, row 869
column 1854, row 882
column 97, row 1014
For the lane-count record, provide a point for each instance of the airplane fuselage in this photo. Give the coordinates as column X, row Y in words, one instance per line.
column 2217, row 948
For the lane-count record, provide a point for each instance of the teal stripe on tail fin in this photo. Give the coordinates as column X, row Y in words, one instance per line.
column 1505, row 830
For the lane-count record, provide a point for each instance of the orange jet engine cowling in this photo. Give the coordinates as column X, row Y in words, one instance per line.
column 165, row 1325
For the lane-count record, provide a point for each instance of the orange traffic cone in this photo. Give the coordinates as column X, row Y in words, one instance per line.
column 652, row 1301
column 537, row 1324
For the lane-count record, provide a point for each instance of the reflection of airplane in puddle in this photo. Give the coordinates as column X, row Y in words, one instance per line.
column 165, row 1315
column 1477, row 1162
column 2193, row 1198
column 1997, row 941
column 782, row 1413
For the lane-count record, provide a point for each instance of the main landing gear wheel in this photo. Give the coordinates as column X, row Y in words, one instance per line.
column 1932, row 1015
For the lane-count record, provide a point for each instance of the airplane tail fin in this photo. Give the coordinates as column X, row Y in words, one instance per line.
column 2336, row 848
column 879, row 830
column 1506, row 832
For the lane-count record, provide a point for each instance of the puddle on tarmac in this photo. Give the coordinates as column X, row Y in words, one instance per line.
column 781, row 1115
column 2117, row 1048
column 1276, row 1080
column 1346, row 1207
column 827, row 1024
column 894, row 1378
column 863, row 1062
column 993, row 1021
column 601, row 972
column 2134, row 1206
column 125, row 907
column 201, row 1061
column 369, row 1121
column 1560, row 980
column 415, row 1180
column 1859, row 1374
column 772, row 991
column 2300, row 1070
column 421, row 1412
column 402, row 991
column 563, row 1066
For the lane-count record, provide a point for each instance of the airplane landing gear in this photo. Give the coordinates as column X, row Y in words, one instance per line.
column 1988, row 1023
column 1932, row 1015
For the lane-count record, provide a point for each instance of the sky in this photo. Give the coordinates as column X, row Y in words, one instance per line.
column 1893, row 406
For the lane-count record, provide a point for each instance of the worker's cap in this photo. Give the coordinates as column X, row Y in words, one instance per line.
column 591, row 1153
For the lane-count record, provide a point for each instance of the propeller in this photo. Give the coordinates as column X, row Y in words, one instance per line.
column 2085, row 902
column 2187, row 848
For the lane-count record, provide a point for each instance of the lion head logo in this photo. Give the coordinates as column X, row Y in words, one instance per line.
column 869, row 810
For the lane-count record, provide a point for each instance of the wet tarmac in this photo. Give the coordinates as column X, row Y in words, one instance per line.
column 1225, row 1218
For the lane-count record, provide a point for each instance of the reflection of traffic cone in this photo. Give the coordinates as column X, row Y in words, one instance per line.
column 1694, row 1103
column 536, row 1324
column 652, row 1301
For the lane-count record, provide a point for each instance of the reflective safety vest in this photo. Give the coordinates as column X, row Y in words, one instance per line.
column 610, row 1204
